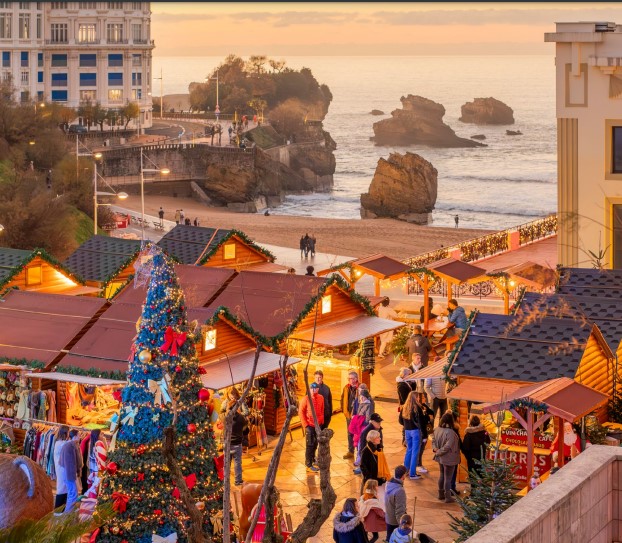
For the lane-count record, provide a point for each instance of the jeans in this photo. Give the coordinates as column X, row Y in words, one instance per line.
column 390, row 529
column 439, row 405
column 236, row 452
column 445, row 478
column 413, row 441
column 72, row 495
column 310, row 445
column 421, row 449
column 350, row 437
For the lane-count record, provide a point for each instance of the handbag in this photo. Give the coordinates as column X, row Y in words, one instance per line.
column 383, row 466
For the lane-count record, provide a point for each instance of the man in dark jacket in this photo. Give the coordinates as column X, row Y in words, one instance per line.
column 395, row 500
column 240, row 426
column 418, row 344
column 348, row 396
column 325, row 392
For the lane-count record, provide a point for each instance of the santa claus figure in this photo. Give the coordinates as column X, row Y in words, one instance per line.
column 572, row 444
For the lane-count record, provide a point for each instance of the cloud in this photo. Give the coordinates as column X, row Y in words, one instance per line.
column 291, row 18
column 183, row 17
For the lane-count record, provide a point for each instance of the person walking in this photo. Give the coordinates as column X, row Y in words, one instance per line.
column 347, row 525
column 182, row 216
column 385, row 312
column 395, row 500
column 411, row 417
column 302, row 246
column 362, row 411
column 312, row 242
column 456, row 220
column 161, row 215
column 71, row 460
column 306, row 418
column 417, row 384
column 436, row 390
column 417, row 343
column 61, row 486
column 238, row 431
column 306, row 244
column 446, row 448
column 473, row 446
column 348, row 397
column 325, row 392
column 371, row 510
column 177, row 216
column 404, row 388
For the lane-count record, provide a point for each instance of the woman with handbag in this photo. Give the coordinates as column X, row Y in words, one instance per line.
column 446, row 447
column 411, row 417
column 373, row 462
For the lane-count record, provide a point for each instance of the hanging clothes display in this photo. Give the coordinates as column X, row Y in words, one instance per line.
column 12, row 382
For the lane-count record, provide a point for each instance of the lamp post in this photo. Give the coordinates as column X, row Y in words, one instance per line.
column 217, row 108
column 96, row 193
column 160, row 78
column 143, row 171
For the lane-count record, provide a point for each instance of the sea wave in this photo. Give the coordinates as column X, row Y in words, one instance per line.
column 499, row 178
column 468, row 207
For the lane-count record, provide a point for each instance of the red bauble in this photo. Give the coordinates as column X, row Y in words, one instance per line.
column 141, row 449
column 192, row 428
column 178, row 369
column 204, row 395
column 202, row 370
column 112, row 468
column 157, row 512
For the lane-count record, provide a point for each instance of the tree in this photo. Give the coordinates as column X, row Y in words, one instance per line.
column 288, row 118
column 129, row 112
column 258, row 105
column 162, row 477
column 277, row 65
column 256, row 63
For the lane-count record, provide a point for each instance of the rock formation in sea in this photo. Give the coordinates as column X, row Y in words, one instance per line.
column 487, row 111
column 420, row 121
column 376, row 112
column 403, row 187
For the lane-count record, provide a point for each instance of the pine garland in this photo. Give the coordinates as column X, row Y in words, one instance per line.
column 92, row 372
column 114, row 275
column 452, row 381
column 244, row 238
column 33, row 364
column 526, row 403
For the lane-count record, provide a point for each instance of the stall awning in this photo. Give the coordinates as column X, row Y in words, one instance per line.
column 482, row 390
column 67, row 377
column 264, row 267
column 433, row 370
column 339, row 333
column 219, row 374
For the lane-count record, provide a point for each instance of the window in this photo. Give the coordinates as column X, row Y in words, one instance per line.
column 87, row 33
column 210, row 339
column 137, row 6
column 5, row 5
column 39, row 77
column 617, row 236
column 115, row 5
column 115, row 60
column 59, row 80
column 6, row 59
column 137, row 79
column 88, row 80
column 39, row 96
column 137, row 33
column 137, row 60
column 114, row 32
column 40, row 60
column 112, row 287
column 326, row 304
column 24, row 96
column 229, row 251
column 87, row 95
column 59, row 96
column 115, row 95
column 59, row 5
column 24, row 26
column 58, row 33
column 137, row 94
column 39, row 27
column 24, row 78
column 5, row 25
column 59, row 61
column 34, row 275
column 88, row 60
column 115, row 79
column 24, row 5
column 6, row 77
column 616, row 155
column 24, row 59
column 87, row 5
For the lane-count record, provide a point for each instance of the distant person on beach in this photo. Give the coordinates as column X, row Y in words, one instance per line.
column 312, row 242
column 456, row 220
column 310, row 270
column 291, row 271
column 177, row 216
column 161, row 215
column 182, row 216
column 196, row 221
column 302, row 246
column 307, row 244
column 187, row 221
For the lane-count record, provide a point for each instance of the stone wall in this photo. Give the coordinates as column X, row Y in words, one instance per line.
column 579, row 504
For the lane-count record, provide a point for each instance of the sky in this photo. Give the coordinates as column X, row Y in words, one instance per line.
column 281, row 29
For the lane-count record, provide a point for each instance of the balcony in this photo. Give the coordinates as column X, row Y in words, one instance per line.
column 56, row 42
column 88, row 42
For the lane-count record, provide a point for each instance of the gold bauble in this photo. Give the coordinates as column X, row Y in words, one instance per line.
column 153, row 468
column 144, row 356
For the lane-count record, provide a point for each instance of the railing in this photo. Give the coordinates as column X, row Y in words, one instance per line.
column 539, row 229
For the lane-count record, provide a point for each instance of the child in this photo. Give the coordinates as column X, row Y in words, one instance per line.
column 371, row 510
column 404, row 532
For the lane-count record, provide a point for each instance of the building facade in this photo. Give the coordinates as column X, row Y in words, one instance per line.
column 588, row 64
column 76, row 52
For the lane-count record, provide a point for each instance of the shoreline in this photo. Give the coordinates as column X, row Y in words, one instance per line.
column 353, row 237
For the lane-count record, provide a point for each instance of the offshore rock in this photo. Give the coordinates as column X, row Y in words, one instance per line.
column 404, row 187
column 376, row 112
column 487, row 111
column 420, row 121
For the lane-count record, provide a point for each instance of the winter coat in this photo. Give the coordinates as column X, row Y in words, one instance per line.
column 372, row 513
column 348, row 396
column 394, row 501
column 61, row 483
column 365, row 408
column 427, row 419
column 458, row 317
column 369, row 462
column 366, row 430
column 414, row 422
column 71, row 460
column 306, row 417
column 237, row 430
column 402, row 536
column 474, row 444
column 419, row 344
column 447, row 446
column 404, row 388
column 328, row 403
column 356, row 426
column 348, row 529
column 436, row 388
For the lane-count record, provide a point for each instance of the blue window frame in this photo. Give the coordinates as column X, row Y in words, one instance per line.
column 88, row 61
column 39, row 77
column 137, row 78
column 59, row 61
column 6, row 59
column 115, row 59
column 115, row 79
column 59, row 96
column 59, row 80
column 24, row 57
column 40, row 60
column 88, row 80
column 39, row 96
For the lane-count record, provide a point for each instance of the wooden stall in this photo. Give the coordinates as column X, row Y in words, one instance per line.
column 39, row 272
column 104, row 262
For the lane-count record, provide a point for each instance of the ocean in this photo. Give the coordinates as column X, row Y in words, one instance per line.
column 510, row 182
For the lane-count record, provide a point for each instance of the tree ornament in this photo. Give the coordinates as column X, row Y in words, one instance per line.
column 204, row 395
column 141, row 449
column 144, row 356
column 200, row 506
column 153, row 468
column 178, row 368
column 112, row 468
column 115, row 530
column 192, row 428
column 202, row 370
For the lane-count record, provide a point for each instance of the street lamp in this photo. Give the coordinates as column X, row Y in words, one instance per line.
column 160, row 78
column 96, row 193
column 217, row 108
column 143, row 171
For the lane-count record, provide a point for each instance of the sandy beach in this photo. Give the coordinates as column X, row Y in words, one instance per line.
column 353, row 237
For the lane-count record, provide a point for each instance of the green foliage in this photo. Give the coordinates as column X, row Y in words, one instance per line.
column 243, row 237
column 595, row 431
column 398, row 345
column 34, row 364
column 91, row 372
column 492, row 492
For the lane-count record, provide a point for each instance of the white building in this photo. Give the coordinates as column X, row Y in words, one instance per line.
column 588, row 61
column 73, row 52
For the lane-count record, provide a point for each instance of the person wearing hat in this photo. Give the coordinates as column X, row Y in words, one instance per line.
column 306, row 418
column 374, row 424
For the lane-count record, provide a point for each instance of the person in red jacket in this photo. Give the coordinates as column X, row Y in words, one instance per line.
column 306, row 418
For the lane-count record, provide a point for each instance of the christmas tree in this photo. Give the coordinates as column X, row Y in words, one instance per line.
column 492, row 492
column 163, row 389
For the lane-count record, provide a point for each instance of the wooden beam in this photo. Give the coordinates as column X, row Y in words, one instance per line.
column 376, row 286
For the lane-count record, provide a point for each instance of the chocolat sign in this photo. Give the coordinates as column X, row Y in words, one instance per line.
column 518, row 437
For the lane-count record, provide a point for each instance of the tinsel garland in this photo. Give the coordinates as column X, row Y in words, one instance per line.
column 49, row 259
column 526, row 403
column 244, row 238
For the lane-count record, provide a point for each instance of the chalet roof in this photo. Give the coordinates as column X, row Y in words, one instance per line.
column 531, row 274
column 591, row 278
column 456, row 269
column 378, row 265
column 100, row 257
column 347, row 331
column 12, row 260
column 482, row 390
column 537, row 352
column 195, row 244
